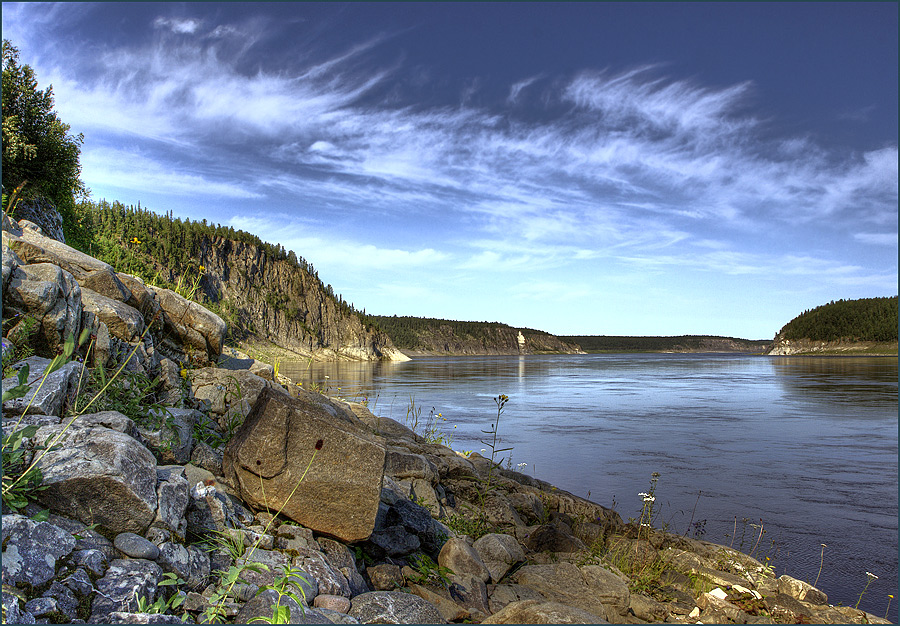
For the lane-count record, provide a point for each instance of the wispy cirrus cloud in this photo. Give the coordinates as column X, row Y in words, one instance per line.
column 633, row 170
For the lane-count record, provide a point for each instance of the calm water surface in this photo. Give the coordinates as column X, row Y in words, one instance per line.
column 808, row 445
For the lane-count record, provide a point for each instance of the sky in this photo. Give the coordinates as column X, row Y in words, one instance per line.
column 585, row 168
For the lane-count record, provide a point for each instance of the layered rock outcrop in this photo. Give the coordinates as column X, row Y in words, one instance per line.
column 52, row 291
column 286, row 305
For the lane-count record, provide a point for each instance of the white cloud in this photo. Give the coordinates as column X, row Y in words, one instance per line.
column 180, row 26
column 121, row 169
column 878, row 239
column 517, row 88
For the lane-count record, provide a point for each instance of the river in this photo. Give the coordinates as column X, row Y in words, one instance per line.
column 802, row 448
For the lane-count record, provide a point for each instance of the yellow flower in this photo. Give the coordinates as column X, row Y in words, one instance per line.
column 202, row 268
column 183, row 372
column 136, row 240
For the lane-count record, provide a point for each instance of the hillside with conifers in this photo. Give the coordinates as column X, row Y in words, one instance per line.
column 865, row 326
column 424, row 335
column 868, row 319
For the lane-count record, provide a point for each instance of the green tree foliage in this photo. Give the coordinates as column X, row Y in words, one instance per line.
column 867, row 319
column 624, row 343
column 38, row 149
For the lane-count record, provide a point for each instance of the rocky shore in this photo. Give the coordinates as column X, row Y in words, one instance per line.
column 227, row 495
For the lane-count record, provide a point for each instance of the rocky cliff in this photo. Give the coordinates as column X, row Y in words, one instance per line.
column 283, row 303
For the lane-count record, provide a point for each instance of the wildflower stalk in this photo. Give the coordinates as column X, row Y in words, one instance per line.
column 871, row 577
column 890, row 597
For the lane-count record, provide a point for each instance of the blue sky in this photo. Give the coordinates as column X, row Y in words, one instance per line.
column 634, row 169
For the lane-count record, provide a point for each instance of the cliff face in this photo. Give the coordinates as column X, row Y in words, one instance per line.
column 788, row 347
column 280, row 302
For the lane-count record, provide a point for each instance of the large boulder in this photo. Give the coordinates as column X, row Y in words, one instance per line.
column 50, row 295
column 499, row 553
column 536, row 612
column 590, row 588
column 267, row 460
column 98, row 475
column 32, row 247
column 194, row 326
column 461, row 558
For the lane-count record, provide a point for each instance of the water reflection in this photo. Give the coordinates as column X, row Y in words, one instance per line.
column 860, row 381
column 779, row 438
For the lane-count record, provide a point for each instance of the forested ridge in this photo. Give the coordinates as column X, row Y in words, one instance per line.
column 412, row 333
column 867, row 319
column 165, row 250
column 681, row 343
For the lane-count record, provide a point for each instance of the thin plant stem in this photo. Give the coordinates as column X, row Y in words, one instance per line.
column 692, row 514
column 870, row 577
column 821, row 563
column 47, row 448
column 761, row 527
column 118, row 371
column 266, row 529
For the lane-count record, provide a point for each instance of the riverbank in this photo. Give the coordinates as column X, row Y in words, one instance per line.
column 806, row 347
column 433, row 536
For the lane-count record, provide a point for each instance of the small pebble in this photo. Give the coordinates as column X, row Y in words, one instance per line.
column 136, row 546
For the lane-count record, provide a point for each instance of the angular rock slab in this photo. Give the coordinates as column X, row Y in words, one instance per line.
column 269, row 454
column 31, row 549
column 193, row 324
column 535, row 612
column 499, row 553
column 393, row 607
column 122, row 321
column 99, row 475
column 590, row 588
column 50, row 295
column 44, row 398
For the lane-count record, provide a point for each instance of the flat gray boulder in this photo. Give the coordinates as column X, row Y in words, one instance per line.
column 45, row 398
column 31, row 549
column 590, row 588
column 32, row 247
column 537, row 612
